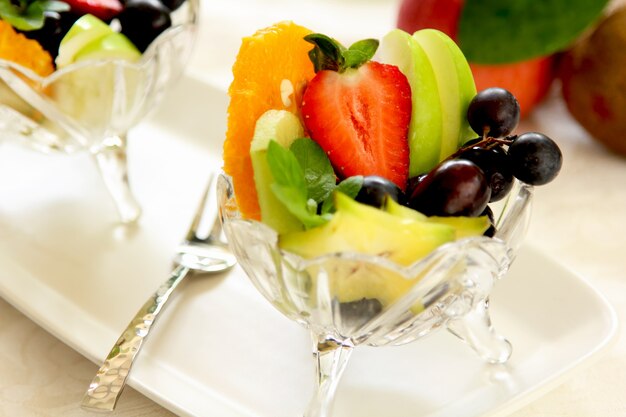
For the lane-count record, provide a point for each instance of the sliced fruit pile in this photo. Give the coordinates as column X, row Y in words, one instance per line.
column 374, row 156
column 271, row 71
column 64, row 31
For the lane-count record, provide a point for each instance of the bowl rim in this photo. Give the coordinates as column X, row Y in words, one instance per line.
column 516, row 203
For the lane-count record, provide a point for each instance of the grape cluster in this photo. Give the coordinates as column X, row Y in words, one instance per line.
column 482, row 171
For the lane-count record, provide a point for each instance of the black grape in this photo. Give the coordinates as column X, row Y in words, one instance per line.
column 375, row 189
column 143, row 20
column 454, row 188
column 535, row 158
column 493, row 111
column 494, row 164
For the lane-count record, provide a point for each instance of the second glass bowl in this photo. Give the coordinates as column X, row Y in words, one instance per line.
column 90, row 105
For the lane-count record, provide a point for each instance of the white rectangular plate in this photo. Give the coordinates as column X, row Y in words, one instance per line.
column 220, row 349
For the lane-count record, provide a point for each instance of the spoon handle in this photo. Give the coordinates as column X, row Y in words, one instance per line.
column 106, row 387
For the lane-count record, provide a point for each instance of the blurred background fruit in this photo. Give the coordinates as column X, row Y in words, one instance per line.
column 594, row 81
column 583, row 48
column 529, row 80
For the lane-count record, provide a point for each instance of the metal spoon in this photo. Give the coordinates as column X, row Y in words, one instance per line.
column 202, row 250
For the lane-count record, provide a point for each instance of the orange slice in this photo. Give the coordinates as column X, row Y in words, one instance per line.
column 271, row 72
column 17, row 48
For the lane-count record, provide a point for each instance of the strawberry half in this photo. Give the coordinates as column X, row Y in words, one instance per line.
column 102, row 9
column 358, row 111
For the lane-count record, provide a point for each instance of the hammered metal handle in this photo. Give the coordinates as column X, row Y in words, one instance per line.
column 106, row 387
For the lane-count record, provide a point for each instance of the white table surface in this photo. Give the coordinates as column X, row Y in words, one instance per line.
column 578, row 219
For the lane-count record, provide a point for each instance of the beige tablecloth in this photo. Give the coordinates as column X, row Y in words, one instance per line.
column 579, row 220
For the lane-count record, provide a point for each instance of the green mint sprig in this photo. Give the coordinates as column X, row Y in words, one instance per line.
column 27, row 15
column 350, row 187
column 304, row 179
column 318, row 172
column 328, row 54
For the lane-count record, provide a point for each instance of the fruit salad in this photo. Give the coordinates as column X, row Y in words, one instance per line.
column 45, row 35
column 383, row 148
column 77, row 75
column 75, row 72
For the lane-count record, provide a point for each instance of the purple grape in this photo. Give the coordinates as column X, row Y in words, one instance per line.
column 494, row 111
column 535, row 158
column 143, row 20
column 454, row 188
column 172, row 4
column 494, row 163
column 413, row 182
column 375, row 189
column 358, row 312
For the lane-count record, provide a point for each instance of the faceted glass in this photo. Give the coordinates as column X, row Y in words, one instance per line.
column 350, row 299
column 90, row 105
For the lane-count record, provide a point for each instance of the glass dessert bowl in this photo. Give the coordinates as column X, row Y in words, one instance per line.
column 360, row 215
column 350, row 299
column 90, row 105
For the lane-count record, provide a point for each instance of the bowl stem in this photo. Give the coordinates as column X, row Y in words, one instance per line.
column 111, row 161
column 475, row 329
column 331, row 357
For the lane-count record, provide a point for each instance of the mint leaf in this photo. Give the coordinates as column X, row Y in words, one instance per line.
column 318, row 172
column 290, row 186
column 360, row 52
column 27, row 15
column 350, row 187
column 7, row 8
column 285, row 167
column 34, row 15
column 496, row 31
column 296, row 203
column 15, row 15
column 327, row 53
column 304, row 177
column 22, row 16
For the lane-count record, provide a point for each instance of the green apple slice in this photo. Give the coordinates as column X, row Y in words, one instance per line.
column 84, row 31
column 425, row 130
column 448, row 83
column 283, row 127
column 467, row 87
column 455, row 82
column 114, row 45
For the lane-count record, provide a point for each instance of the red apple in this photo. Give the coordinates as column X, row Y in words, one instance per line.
column 528, row 80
